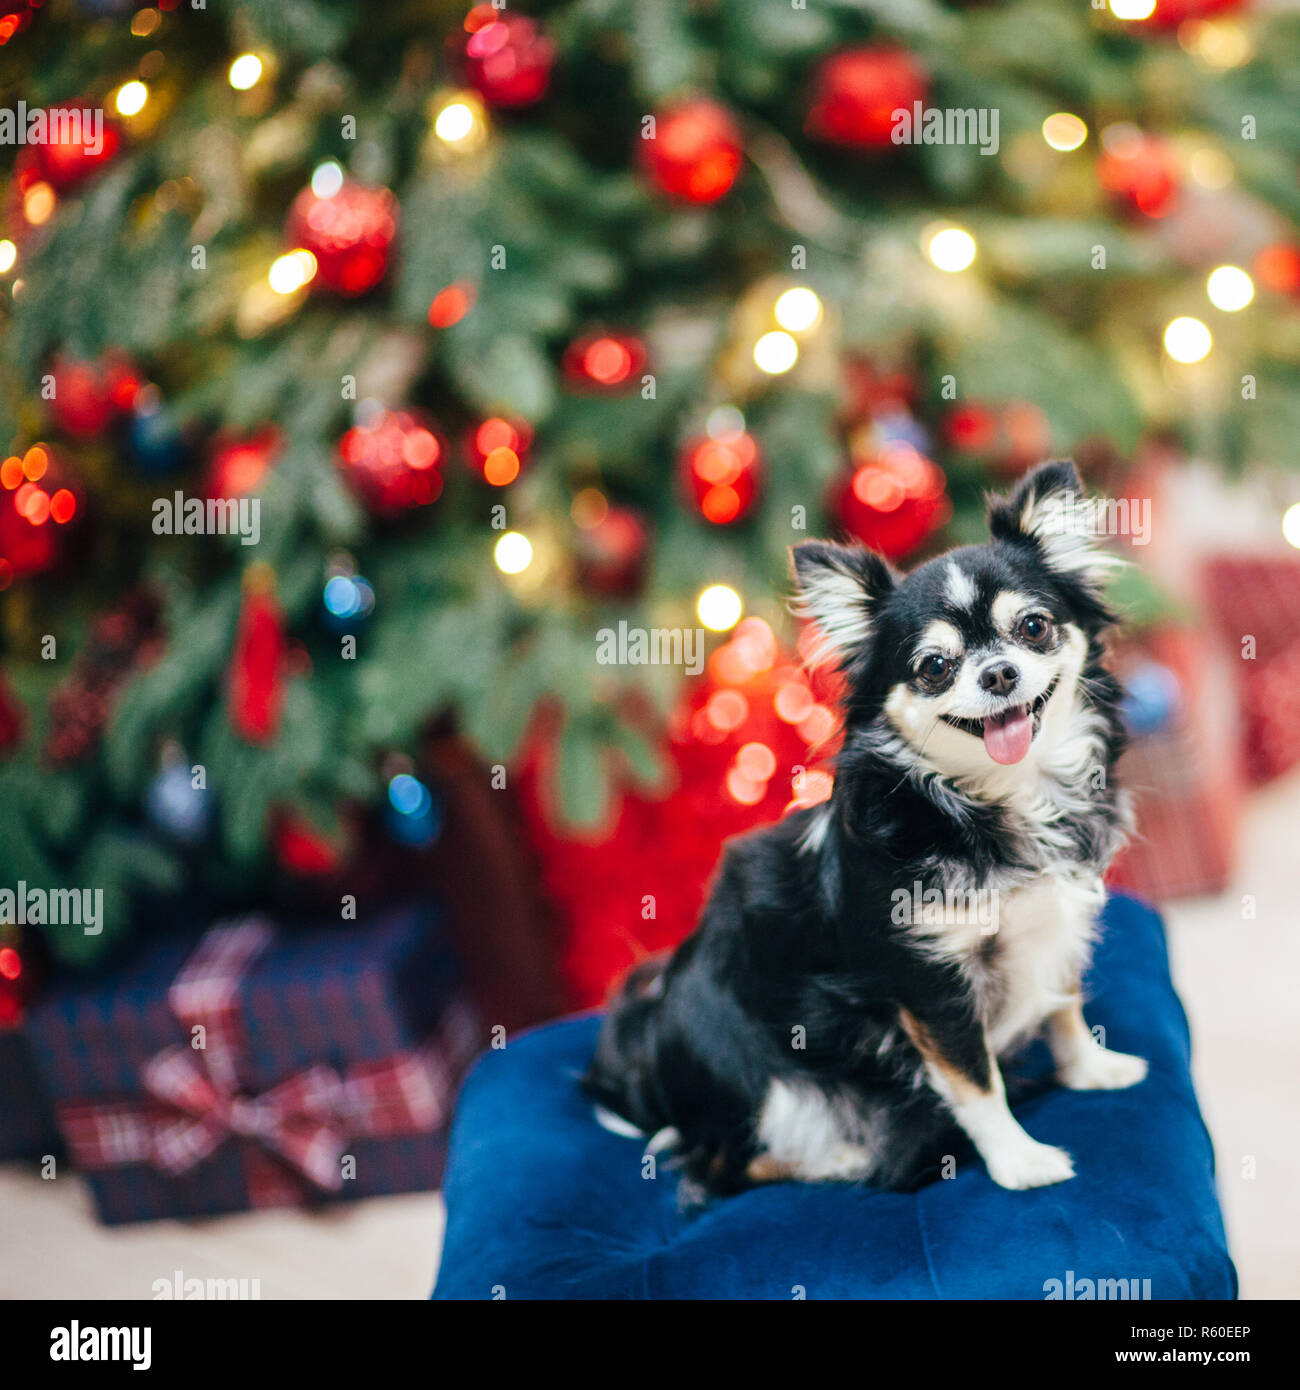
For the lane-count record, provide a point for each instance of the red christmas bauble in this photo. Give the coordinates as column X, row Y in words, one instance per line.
column 695, row 153
column 611, row 551
column 893, row 502
column 604, row 361
column 970, row 429
column 303, row 850
column 393, row 461
column 73, row 149
column 505, row 57
column 90, row 396
column 721, row 476
column 351, row 234
column 255, row 680
column 856, row 92
column 39, row 500
column 1169, row 14
column 1140, row 172
column 498, row 449
column 1277, row 268
column 237, row 466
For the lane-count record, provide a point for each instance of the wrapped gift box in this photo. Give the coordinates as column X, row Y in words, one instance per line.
column 255, row 1066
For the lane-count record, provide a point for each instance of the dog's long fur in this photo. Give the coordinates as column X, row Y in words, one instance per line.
column 804, row 1030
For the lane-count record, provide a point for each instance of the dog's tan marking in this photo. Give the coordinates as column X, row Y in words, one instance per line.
column 961, row 1086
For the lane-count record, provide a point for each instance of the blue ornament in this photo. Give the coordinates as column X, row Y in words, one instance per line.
column 1152, row 694
column 349, row 601
column 414, row 816
column 156, row 445
column 177, row 807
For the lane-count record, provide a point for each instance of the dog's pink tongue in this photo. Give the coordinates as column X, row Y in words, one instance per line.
column 1008, row 736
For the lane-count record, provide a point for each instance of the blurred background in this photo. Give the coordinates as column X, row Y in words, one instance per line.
column 377, row 379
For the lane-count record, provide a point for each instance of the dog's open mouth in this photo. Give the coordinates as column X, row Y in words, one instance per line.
column 1007, row 735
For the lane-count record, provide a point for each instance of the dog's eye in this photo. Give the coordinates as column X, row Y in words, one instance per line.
column 933, row 670
column 1034, row 628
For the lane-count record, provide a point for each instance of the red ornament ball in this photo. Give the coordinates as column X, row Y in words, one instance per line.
column 1277, row 268
column 39, row 499
column 498, row 449
column 856, row 92
column 1140, row 172
column 604, row 361
column 303, row 850
column 237, row 466
column 695, row 153
column 970, row 429
column 893, row 502
column 505, row 57
column 611, row 546
column 1169, row 14
column 393, row 461
column 71, row 149
column 721, row 476
column 258, row 664
column 90, row 396
column 351, row 234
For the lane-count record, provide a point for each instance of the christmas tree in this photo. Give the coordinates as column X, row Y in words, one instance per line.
column 364, row 363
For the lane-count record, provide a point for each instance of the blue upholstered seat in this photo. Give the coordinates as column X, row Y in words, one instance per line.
column 543, row 1203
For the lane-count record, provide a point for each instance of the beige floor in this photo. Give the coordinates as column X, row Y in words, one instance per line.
column 1239, row 980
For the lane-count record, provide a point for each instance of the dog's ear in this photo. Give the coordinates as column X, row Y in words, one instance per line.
column 839, row 587
column 1049, row 511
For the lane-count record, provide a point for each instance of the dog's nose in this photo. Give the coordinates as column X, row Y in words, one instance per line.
column 999, row 678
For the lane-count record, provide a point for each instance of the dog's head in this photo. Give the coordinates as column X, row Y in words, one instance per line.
column 974, row 659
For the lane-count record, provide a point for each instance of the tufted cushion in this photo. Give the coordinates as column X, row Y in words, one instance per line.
column 543, row 1203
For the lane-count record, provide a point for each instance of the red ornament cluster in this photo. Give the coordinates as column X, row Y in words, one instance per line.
column 505, row 57
column 351, row 234
column 856, row 92
column 722, row 476
column 498, row 449
column 1140, row 172
column 37, row 500
column 393, row 462
column 893, row 501
column 68, row 152
column 695, row 152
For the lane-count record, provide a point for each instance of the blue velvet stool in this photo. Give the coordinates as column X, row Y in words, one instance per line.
column 543, row 1203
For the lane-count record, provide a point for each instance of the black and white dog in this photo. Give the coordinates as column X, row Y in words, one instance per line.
column 861, row 966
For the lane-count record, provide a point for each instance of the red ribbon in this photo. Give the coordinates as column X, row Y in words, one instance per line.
column 196, row 1102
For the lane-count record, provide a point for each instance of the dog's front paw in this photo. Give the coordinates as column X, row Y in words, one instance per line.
column 1101, row 1070
column 1030, row 1164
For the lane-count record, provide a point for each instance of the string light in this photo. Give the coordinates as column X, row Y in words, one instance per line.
column 1187, row 340
column 513, row 553
column 38, row 204
column 776, row 353
column 1132, row 10
column 130, row 99
column 1210, row 168
column 1291, row 525
column 144, row 22
column 719, row 607
column 290, row 272
column 245, row 72
column 458, row 119
column 798, row 309
column 1064, row 131
column 327, row 179
column 1230, row 288
column 8, row 256
column 951, row 249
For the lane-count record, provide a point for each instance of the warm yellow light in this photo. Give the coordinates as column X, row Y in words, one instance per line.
column 1211, row 168
column 454, row 122
column 131, row 98
column 1132, row 9
column 8, row 256
column 38, row 204
column 513, row 553
column 1291, row 525
column 327, row 179
column 290, row 272
column 719, row 607
column 1187, row 340
column 1217, row 43
column 776, row 353
column 798, row 309
column 1230, row 288
column 245, row 72
column 951, row 249
column 1064, row 131
column 145, row 22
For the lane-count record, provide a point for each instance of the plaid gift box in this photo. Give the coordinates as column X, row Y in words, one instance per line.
column 27, row 1128
column 260, row 1068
